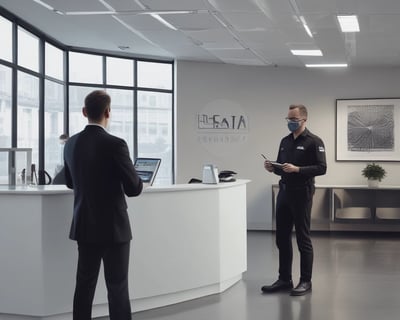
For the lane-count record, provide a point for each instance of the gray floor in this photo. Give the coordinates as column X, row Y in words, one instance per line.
column 355, row 277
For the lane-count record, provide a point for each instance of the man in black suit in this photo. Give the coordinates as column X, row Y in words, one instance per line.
column 99, row 170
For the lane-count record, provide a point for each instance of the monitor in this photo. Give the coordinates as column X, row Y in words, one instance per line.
column 147, row 168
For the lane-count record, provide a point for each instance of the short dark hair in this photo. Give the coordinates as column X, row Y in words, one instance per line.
column 302, row 109
column 96, row 103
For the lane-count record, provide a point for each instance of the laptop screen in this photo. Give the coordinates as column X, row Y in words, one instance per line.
column 147, row 168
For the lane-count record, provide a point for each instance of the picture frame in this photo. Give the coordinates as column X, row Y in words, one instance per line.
column 368, row 129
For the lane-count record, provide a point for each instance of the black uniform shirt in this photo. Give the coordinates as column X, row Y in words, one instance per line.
column 307, row 151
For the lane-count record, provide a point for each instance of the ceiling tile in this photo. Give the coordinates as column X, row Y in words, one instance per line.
column 212, row 36
column 174, row 4
column 255, row 21
column 122, row 5
column 76, row 5
column 197, row 21
column 233, row 5
column 142, row 22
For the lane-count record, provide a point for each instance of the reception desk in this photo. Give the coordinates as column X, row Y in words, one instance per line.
column 188, row 241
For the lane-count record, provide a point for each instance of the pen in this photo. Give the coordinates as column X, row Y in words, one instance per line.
column 264, row 156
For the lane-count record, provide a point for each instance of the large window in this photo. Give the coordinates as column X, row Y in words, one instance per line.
column 76, row 101
column 154, row 106
column 5, row 120
column 5, row 107
column 85, row 68
column 141, row 99
column 54, row 126
column 155, row 130
column 154, row 75
column 54, row 64
column 122, row 121
column 6, row 39
column 119, row 71
column 28, row 50
column 28, row 114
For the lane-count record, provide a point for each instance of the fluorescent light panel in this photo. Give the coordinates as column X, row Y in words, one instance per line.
column 327, row 65
column 164, row 22
column 303, row 21
column 348, row 23
column 306, row 52
column 43, row 4
column 104, row 3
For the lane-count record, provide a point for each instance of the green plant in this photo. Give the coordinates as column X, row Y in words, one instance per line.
column 374, row 171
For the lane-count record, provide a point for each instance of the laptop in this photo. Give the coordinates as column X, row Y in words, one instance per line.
column 146, row 169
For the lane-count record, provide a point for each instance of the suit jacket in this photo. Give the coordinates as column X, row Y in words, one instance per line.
column 59, row 178
column 99, row 170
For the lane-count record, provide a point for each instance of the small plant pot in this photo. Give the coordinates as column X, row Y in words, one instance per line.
column 373, row 183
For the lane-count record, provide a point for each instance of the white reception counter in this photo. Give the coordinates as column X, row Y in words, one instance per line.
column 188, row 241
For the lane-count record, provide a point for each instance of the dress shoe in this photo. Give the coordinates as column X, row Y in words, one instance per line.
column 302, row 288
column 278, row 285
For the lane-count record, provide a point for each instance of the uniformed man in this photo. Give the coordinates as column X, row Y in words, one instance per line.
column 301, row 157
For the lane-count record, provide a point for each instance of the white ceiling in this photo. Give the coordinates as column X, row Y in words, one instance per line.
column 245, row 32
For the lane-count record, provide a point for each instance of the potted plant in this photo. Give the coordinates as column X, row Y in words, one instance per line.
column 374, row 173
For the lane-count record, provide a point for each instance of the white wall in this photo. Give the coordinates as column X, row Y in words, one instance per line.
column 264, row 93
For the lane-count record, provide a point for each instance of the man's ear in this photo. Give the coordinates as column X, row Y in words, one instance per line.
column 107, row 113
column 84, row 112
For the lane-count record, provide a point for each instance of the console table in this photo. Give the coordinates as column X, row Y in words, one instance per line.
column 353, row 208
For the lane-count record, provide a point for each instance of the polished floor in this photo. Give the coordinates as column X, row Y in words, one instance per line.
column 356, row 277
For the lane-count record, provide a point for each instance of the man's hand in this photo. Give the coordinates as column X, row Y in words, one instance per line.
column 268, row 166
column 290, row 168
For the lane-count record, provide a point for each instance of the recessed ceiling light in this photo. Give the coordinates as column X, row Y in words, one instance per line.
column 348, row 23
column 306, row 52
column 327, row 65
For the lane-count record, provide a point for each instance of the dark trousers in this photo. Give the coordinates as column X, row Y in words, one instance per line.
column 293, row 208
column 115, row 259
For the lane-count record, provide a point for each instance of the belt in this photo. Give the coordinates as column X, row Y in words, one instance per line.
column 294, row 186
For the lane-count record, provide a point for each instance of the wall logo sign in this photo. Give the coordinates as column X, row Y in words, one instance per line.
column 221, row 122
column 222, row 126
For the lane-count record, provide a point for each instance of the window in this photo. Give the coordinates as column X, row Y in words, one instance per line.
column 155, row 75
column 6, row 39
column 5, row 107
column 5, row 120
column 85, row 68
column 120, row 71
column 77, row 121
column 144, row 119
column 155, row 131
column 28, row 114
column 54, row 126
column 28, row 50
column 121, row 121
column 54, row 62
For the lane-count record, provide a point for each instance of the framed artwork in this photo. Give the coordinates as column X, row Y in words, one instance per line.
column 368, row 130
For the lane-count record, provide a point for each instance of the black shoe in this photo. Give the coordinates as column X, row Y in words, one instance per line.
column 302, row 288
column 278, row 285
